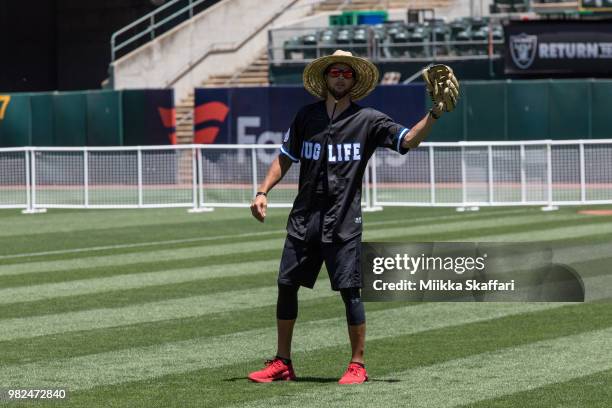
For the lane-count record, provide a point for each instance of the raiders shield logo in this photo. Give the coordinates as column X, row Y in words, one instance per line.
column 523, row 49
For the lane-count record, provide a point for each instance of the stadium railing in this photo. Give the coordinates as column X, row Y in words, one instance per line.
column 200, row 177
column 457, row 41
column 155, row 23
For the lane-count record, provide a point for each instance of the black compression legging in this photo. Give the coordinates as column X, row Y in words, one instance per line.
column 355, row 312
column 287, row 304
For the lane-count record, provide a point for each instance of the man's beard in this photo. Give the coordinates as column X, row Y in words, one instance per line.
column 337, row 94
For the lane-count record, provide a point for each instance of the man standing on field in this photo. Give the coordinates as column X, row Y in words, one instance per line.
column 333, row 139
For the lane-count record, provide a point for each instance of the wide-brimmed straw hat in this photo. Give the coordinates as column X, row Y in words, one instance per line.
column 366, row 74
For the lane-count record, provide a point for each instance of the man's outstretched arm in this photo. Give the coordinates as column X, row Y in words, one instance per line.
column 419, row 132
column 276, row 172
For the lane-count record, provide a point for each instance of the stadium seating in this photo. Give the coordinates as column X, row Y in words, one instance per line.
column 461, row 37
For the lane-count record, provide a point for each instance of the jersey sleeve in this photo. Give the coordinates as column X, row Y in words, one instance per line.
column 292, row 141
column 388, row 133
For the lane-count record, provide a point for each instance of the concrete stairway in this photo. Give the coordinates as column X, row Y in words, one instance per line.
column 256, row 74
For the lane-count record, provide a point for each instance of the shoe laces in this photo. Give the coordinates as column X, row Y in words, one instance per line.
column 277, row 362
column 354, row 369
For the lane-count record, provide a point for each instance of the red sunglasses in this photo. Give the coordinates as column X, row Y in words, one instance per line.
column 336, row 72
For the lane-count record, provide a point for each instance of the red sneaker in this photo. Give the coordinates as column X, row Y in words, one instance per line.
column 275, row 369
column 355, row 374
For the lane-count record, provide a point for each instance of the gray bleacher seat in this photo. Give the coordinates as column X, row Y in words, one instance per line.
column 441, row 34
column 292, row 50
column 310, row 40
column 360, row 42
column 479, row 35
column 462, row 49
column 396, row 48
column 418, row 36
column 327, row 43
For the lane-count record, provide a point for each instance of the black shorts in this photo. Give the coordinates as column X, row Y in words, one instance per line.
column 302, row 260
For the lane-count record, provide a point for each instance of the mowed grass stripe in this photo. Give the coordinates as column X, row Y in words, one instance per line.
column 147, row 362
column 175, row 254
column 552, row 234
column 95, row 272
column 463, row 228
column 16, row 328
column 587, row 391
column 55, row 221
column 237, row 235
column 131, row 297
column 132, row 281
column 465, row 380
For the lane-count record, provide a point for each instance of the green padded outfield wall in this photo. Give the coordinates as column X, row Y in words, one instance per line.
column 70, row 119
column 43, row 127
column 87, row 118
column 104, row 113
column 528, row 110
column 601, row 109
column 477, row 99
column 16, row 120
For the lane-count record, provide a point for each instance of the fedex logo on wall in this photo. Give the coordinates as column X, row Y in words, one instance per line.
column 244, row 136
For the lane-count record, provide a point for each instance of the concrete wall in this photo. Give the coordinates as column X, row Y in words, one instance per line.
column 165, row 61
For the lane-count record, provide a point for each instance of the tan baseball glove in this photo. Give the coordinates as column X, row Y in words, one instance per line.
column 442, row 86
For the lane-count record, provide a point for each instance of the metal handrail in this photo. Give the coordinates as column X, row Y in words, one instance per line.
column 152, row 24
column 377, row 56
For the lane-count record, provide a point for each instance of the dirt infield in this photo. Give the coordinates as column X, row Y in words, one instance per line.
column 596, row 212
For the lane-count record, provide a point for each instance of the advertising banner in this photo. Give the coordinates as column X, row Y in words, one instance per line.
column 263, row 115
column 558, row 47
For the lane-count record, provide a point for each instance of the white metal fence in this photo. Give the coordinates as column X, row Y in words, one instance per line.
column 464, row 174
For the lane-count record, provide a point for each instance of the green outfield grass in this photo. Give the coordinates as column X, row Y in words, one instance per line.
column 161, row 308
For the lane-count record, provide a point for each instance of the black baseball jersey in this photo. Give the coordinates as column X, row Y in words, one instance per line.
column 343, row 147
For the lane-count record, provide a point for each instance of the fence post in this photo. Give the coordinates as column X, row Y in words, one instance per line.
column 198, row 183
column 139, row 155
column 33, row 157
column 432, row 176
column 28, row 184
column 523, row 176
column 368, row 198
column 549, row 188
column 490, row 173
column 194, row 174
column 582, row 174
column 374, row 182
column 463, row 178
column 370, row 206
column 31, row 183
column 86, row 176
column 254, row 169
